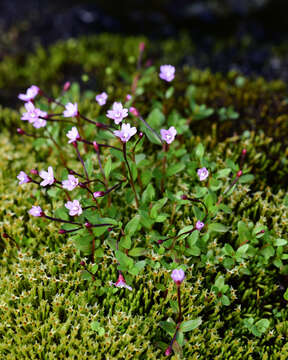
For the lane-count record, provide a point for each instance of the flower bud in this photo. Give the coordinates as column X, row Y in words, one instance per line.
column 244, row 152
column 184, row 197
column 82, row 185
column 20, row 131
column 134, row 111
column 96, row 146
column 5, row 235
column 168, row 351
column 97, row 194
column 178, row 276
column 62, row 231
column 239, row 173
column 109, row 229
column 82, row 263
column 160, row 242
column 88, row 225
column 141, row 135
column 141, row 46
column 66, row 86
column 34, row 172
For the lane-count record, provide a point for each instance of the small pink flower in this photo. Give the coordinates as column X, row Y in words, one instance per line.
column 36, row 211
column 168, row 135
column 23, row 178
column 126, row 132
column 167, row 72
column 102, row 98
column 74, row 207
column 71, row 183
column 121, row 283
column 31, row 93
column 71, row 110
column 97, row 194
column 178, row 276
column 203, row 173
column 199, row 225
column 118, row 113
column 47, row 176
column 128, row 97
column 34, row 115
column 73, row 135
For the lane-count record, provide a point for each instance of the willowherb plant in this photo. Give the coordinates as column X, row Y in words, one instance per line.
column 119, row 202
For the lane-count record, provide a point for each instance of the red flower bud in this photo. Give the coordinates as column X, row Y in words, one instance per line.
column 184, row 197
column 20, row 131
column 141, row 46
column 66, row 86
column 239, row 173
column 88, row 225
column 96, row 146
column 34, row 172
column 5, row 235
column 62, row 231
column 244, row 152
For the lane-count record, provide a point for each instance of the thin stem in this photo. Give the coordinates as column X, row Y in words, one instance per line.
column 165, row 149
column 130, row 174
column 100, row 145
column 61, row 220
column 81, row 160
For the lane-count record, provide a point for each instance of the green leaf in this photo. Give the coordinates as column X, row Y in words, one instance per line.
column 242, row 250
column 180, row 338
column 148, row 194
column 169, row 92
column 280, row 242
column 132, row 226
column 225, row 300
column 174, row 169
column 85, row 275
column 125, row 242
column 217, row 227
column 248, row 178
column 168, row 326
column 199, row 151
column 286, row 295
column 137, row 251
column 190, row 324
column 124, row 260
column 108, row 167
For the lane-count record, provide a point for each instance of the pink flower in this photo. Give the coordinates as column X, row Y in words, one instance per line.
column 178, row 276
column 203, row 173
column 23, row 178
column 121, row 283
column 199, row 225
column 48, row 177
column 73, row 135
column 74, row 207
column 128, row 97
column 34, row 115
column 36, row 211
column 167, row 72
column 66, row 86
column 71, row 183
column 168, row 135
column 102, row 98
column 118, row 113
column 31, row 92
column 71, row 110
column 126, row 132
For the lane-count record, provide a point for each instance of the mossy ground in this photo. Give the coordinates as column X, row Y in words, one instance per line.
column 46, row 308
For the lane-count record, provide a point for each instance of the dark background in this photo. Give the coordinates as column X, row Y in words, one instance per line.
column 249, row 29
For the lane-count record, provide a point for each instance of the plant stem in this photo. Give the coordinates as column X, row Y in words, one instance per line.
column 165, row 149
column 130, row 174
